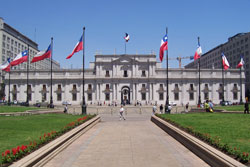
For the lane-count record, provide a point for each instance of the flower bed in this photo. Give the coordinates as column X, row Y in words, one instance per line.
column 213, row 141
column 11, row 155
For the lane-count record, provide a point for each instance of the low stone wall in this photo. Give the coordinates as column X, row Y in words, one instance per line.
column 209, row 154
column 47, row 152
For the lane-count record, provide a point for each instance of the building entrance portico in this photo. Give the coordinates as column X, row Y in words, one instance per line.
column 125, row 95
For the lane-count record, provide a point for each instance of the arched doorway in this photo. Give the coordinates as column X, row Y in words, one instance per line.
column 125, row 95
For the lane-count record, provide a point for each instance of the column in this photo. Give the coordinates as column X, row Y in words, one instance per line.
column 152, row 92
column 99, row 92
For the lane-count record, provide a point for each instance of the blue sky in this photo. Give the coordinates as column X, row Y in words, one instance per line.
column 106, row 22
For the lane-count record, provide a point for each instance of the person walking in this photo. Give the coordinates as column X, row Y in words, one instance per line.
column 161, row 109
column 154, row 109
column 246, row 111
column 121, row 113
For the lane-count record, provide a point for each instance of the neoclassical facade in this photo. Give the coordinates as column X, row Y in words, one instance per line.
column 130, row 78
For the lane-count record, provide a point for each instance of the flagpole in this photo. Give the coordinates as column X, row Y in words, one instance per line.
column 240, row 87
column 84, row 108
column 9, row 88
column 27, row 99
column 222, row 68
column 199, row 100
column 51, row 93
column 167, row 96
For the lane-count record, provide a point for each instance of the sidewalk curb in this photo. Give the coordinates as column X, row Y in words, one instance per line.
column 206, row 152
column 45, row 153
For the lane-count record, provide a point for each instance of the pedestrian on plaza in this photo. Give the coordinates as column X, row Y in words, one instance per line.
column 246, row 111
column 161, row 109
column 121, row 113
column 65, row 109
column 169, row 108
column 211, row 106
column 154, row 109
column 186, row 107
column 207, row 106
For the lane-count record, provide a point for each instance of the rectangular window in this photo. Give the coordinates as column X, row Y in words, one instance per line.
column 14, row 94
column 74, row 87
column 74, row 93
column 143, row 96
column 125, row 74
column 161, row 96
column 44, row 93
column 29, row 93
column 191, row 96
column 107, row 74
column 107, row 97
column 176, row 96
column 89, row 96
column 235, row 94
column 206, row 95
column 220, row 96
column 74, row 97
column 143, row 73
column 89, row 87
column 107, row 86
column 59, row 97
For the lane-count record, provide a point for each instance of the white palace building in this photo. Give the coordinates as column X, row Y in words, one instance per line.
column 131, row 78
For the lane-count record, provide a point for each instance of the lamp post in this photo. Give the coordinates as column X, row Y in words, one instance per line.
column 84, row 108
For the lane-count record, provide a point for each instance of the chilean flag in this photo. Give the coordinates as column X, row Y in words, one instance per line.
column 78, row 47
column 20, row 58
column 241, row 63
column 42, row 55
column 224, row 61
column 6, row 66
column 164, row 46
column 126, row 37
column 198, row 52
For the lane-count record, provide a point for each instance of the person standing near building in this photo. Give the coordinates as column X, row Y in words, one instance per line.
column 65, row 109
column 161, row 109
column 186, row 108
column 246, row 111
column 121, row 113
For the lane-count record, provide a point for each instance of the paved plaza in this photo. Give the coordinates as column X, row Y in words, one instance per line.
column 134, row 142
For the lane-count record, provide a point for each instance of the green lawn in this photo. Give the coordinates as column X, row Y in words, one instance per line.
column 5, row 109
column 20, row 130
column 232, row 129
column 230, row 108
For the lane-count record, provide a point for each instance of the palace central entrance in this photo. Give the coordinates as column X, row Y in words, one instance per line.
column 125, row 95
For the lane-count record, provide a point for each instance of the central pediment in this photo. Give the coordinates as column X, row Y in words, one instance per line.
column 125, row 59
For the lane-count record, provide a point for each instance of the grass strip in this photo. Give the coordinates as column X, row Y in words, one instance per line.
column 228, row 132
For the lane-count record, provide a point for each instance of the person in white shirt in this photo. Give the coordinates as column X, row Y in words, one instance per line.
column 121, row 113
column 154, row 109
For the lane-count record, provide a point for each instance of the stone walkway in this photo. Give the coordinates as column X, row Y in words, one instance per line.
column 135, row 142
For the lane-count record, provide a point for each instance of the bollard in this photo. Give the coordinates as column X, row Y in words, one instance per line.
column 140, row 111
column 111, row 111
